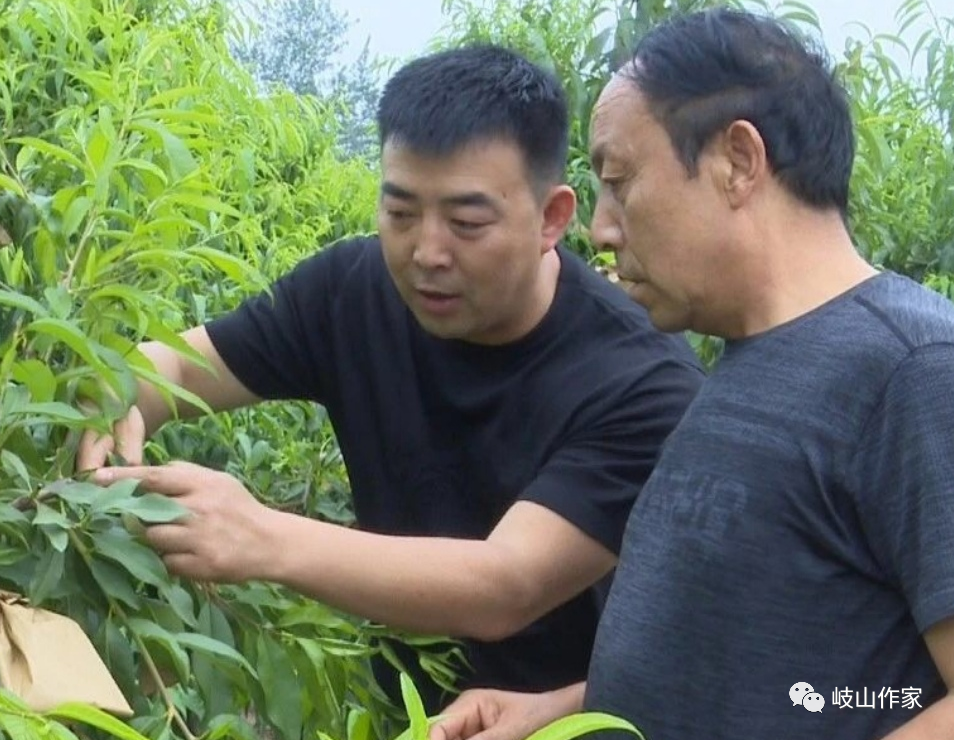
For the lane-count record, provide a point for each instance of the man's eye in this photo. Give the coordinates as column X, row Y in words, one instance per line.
column 399, row 215
column 467, row 225
column 613, row 184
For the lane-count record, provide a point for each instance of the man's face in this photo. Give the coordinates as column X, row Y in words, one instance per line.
column 463, row 238
column 665, row 227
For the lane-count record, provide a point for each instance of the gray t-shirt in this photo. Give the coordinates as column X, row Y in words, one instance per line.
column 799, row 528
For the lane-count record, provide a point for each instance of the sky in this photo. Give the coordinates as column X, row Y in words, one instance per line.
column 402, row 28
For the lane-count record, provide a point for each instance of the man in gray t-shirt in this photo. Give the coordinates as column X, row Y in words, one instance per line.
column 799, row 528
column 788, row 570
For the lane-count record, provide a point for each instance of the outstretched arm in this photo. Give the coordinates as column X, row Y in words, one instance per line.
column 533, row 561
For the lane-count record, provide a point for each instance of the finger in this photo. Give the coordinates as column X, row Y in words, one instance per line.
column 169, row 538
column 187, row 565
column 93, row 450
column 130, row 434
column 460, row 720
column 169, row 480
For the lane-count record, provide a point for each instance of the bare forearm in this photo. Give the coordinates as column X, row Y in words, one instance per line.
column 462, row 588
column 934, row 723
column 212, row 382
column 154, row 408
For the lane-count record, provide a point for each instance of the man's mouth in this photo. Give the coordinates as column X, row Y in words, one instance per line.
column 437, row 301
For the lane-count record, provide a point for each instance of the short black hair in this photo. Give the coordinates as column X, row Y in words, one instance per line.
column 701, row 71
column 439, row 103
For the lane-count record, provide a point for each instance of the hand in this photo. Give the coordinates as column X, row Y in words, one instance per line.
column 486, row 714
column 127, row 440
column 227, row 536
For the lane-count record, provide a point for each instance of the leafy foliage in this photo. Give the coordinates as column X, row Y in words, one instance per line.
column 147, row 186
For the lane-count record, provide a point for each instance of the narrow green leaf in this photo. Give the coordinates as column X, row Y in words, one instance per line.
column 11, row 185
column 415, row 708
column 75, row 213
column 51, row 150
column 205, row 644
column 203, row 203
column 283, row 697
column 144, row 166
column 72, row 337
column 17, row 300
column 53, row 410
column 583, row 723
column 97, row 718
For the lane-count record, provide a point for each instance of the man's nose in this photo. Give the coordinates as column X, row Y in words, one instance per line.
column 432, row 250
column 605, row 228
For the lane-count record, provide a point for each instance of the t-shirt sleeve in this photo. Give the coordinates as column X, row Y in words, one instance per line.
column 904, row 473
column 592, row 480
column 280, row 344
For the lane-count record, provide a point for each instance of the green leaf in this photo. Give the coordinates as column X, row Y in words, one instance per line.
column 37, row 377
column 14, row 467
column 75, row 213
column 181, row 161
column 115, row 499
column 583, row 723
column 53, row 411
column 114, row 582
column 48, row 573
column 20, row 728
column 11, row 185
column 230, row 727
column 203, row 203
column 180, row 601
column 155, row 508
column 415, row 708
column 210, row 646
column 46, row 515
column 74, row 492
column 140, row 561
column 144, row 166
column 72, row 337
column 17, row 300
column 94, row 717
column 283, row 697
column 51, row 150
column 153, row 632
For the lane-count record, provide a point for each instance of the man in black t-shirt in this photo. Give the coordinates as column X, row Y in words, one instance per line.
column 498, row 404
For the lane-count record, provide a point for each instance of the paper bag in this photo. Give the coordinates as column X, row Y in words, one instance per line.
column 46, row 659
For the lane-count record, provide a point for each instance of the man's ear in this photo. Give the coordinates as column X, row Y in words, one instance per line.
column 558, row 210
column 746, row 162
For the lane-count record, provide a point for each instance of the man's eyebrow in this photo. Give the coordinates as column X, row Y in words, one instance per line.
column 396, row 191
column 469, row 199
column 475, row 198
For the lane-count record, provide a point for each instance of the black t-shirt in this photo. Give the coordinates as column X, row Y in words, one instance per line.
column 440, row 437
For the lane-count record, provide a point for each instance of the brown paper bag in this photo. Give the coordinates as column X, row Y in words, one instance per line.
column 46, row 659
